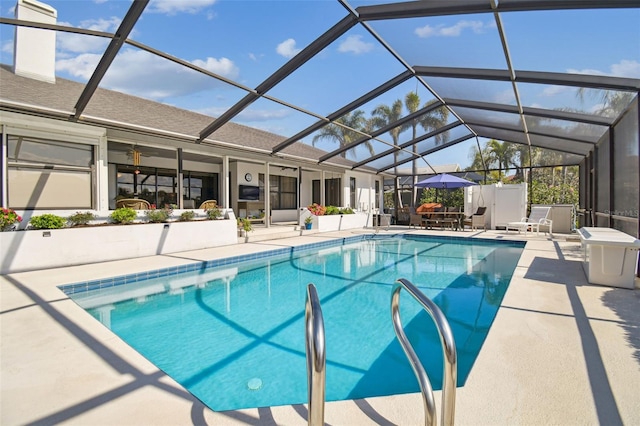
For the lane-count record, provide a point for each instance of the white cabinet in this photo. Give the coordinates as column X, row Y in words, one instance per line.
column 610, row 256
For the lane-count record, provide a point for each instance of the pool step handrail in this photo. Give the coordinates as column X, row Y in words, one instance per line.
column 448, row 349
column 316, row 357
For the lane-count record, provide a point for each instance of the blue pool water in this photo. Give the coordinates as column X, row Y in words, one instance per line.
column 233, row 334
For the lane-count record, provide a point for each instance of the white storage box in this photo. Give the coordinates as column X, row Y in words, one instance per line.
column 610, row 256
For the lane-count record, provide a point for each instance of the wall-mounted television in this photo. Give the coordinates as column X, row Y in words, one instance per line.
column 249, row 193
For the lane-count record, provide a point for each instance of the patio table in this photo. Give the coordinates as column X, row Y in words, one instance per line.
column 459, row 217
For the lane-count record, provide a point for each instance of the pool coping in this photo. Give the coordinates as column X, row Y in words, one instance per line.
column 84, row 286
column 560, row 351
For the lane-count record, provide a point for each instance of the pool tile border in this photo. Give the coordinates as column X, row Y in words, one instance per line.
column 84, row 286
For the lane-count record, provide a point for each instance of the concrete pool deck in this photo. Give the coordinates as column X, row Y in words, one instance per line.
column 560, row 351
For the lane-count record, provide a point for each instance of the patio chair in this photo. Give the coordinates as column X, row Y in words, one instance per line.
column 537, row 218
column 209, row 204
column 415, row 219
column 133, row 203
column 476, row 220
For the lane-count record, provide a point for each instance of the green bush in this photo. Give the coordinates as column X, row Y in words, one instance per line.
column 347, row 210
column 158, row 215
column 187, row 216
column 47, row 221
column 247, row 225
column 80, row 218
column 213, row 213
column 123, row 215
column 332, row 210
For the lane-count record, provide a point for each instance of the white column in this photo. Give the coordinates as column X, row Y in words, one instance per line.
column 267, row 198
column 224, row 198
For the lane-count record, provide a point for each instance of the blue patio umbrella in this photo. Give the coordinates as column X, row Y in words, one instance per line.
column 444, row 181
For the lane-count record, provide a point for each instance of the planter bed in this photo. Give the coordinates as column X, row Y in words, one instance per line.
column 40, row 249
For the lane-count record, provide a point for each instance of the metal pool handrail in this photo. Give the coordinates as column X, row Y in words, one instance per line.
column 316, row 357
column 448, row 351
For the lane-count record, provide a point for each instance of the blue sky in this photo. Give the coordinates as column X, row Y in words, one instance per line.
column 247, row 41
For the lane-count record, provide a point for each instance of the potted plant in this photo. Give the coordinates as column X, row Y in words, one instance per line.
column 244, row 226
column 8, row 219
column 308, row 222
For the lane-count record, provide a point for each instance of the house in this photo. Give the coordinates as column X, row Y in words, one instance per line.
column 122, row 146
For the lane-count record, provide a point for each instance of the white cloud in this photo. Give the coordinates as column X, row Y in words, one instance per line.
column 173, row 7
column 81, row 66
column 258, row 119
column 79, row 43
column 255, row 57
column 587, row 71
column 253, row 115
column 551, row 91
column 477, row 27
column 142, row 74
column 223, row 66
column 288, row 48
column 100, row 1
column 504, row 97
column 354, row 44
column 624, row 68
column 7, row 46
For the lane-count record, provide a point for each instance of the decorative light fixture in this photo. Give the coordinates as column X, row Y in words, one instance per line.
column 135, row 154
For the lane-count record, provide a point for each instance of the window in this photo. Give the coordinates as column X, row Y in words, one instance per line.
column 376, row 201
column 315, row 191
column 283, row 192
column 159, row 186
column 352, row 192
column 333, row 192
column 44, row 174
column 199, row 187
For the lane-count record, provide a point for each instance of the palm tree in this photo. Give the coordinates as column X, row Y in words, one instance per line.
column 341, row 131
column 384, row 115
column 612, row 102
column 429, row 122
column 501, row 153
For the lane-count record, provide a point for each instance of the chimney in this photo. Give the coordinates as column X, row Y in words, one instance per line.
column 34, row 50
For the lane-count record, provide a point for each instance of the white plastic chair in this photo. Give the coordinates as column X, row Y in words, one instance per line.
column 537, row 218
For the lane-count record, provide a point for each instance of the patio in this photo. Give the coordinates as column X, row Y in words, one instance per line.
column 560, row 351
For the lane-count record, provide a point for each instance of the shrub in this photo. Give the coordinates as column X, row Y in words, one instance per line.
column 123, row 215
column 158, row 215
column 347, row 210
column 8, row 218
column 332, row 210
column 213, row 213
column 80, row 218
column 247, row 225
column 47, row 221
column 187, row 216
column 316, row 209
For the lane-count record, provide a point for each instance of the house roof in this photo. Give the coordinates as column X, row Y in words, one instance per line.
column 114, row 109
column 478, row 84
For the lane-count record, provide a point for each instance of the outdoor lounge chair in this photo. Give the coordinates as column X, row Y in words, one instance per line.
column 476, row 220
column 133, row 203
column 537, row 218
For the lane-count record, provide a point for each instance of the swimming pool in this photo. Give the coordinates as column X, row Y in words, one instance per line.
column 232, row 331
